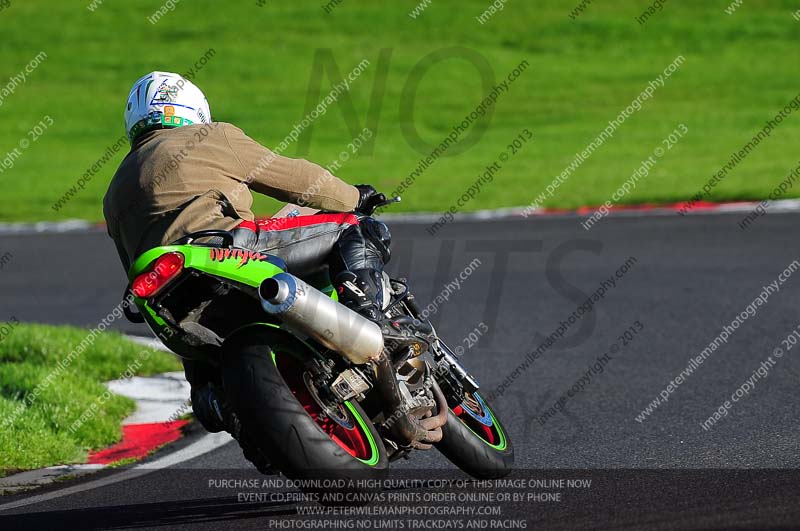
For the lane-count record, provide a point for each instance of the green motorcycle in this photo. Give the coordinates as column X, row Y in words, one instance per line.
column 323, row 391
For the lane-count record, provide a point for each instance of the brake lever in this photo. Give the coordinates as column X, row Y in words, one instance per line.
column 389, row 201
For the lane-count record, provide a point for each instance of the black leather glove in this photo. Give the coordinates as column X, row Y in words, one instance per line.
column 368, row 199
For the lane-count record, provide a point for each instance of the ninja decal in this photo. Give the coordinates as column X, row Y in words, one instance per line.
column 244, row 256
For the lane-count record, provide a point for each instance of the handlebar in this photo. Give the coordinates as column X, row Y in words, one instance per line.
column 388, row 201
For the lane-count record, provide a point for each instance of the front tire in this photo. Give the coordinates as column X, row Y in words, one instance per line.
column 475, row 441
column 266, row 388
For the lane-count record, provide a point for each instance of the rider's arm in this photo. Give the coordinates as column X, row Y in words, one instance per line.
column 293, row 180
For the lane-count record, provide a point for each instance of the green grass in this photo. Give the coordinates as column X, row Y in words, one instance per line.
column 739, row 71
column 40, row 433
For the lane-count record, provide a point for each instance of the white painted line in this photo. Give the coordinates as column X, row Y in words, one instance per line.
column 36, row 478
column 206, row 444
column 209, row 442
column 160, row 398
column 162, row 387
column 783, row 205
column 69, row 225
column 152, row 342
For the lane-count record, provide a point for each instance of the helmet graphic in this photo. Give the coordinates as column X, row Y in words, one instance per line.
column 164, row 99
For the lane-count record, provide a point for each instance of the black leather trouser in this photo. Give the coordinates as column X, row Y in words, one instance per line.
column 308, row 243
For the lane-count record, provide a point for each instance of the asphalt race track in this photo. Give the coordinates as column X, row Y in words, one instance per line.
column 689, row 277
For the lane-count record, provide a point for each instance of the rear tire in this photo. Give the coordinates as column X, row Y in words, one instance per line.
column 482, row 449
column 301, row 447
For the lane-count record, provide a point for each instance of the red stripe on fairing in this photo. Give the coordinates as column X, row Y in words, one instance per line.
column 138, row 440
column 298, row 221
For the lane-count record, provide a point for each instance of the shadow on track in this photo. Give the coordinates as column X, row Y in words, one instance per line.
column 148, row 515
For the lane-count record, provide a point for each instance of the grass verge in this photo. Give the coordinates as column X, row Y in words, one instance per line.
column 262, row 77
column 54, row 412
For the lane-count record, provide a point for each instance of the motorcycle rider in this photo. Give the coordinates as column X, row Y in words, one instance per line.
column 185, row 173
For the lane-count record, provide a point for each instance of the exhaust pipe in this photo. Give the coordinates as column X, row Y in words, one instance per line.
column 308, row 311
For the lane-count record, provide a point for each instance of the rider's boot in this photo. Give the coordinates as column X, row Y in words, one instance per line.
column 361, row 290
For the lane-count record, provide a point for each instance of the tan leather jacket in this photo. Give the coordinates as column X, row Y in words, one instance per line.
column 197, row 177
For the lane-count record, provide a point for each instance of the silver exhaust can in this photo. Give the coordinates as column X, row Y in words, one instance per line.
column 307, row 311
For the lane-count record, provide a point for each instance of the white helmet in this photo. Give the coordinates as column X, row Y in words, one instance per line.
column 164, row 99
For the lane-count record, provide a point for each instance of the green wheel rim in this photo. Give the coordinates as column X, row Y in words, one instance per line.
column 503, row 443
column 373, row 446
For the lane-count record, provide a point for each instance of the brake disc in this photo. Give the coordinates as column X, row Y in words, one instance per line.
column 336, row 412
